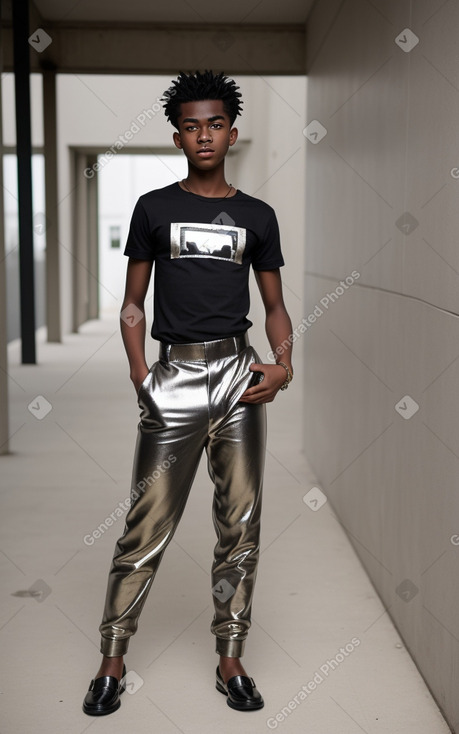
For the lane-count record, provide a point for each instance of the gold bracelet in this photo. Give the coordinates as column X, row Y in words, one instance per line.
column 285, row 385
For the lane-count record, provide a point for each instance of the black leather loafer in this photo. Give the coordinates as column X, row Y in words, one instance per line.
column 241, row 692
column 103, row 696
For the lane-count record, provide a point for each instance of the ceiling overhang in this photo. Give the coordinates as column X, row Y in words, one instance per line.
column 114, row 46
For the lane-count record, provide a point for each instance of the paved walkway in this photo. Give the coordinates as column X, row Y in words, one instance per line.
column 322, row 650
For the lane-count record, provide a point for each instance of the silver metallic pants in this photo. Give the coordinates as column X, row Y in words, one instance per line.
column 190, row 401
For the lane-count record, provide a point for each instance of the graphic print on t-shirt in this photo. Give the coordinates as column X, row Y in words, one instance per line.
column 193, row 239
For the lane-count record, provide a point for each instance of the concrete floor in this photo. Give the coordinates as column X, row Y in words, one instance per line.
column 73, row 422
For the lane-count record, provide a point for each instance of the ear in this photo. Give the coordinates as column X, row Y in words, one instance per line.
column 233, row 135
column 177, row 140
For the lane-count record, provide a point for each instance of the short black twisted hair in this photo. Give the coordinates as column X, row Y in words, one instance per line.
column 196, row 87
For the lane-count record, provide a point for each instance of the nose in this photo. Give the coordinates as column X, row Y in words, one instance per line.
column 205, row 136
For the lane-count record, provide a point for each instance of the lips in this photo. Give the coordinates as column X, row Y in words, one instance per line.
column 205, row 152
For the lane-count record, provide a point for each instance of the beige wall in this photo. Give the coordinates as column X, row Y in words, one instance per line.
column 385, row 162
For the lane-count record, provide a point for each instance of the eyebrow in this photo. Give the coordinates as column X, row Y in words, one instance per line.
column 209, row 119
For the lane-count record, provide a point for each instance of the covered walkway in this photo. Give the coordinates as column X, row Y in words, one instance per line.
column 341, row 100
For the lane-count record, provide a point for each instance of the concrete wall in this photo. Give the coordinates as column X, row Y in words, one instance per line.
column 381, row 368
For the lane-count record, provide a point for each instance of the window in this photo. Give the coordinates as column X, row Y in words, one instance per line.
column 115, row 237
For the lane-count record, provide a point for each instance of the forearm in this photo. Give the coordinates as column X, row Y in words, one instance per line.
column 278, row 330
column 134, row 342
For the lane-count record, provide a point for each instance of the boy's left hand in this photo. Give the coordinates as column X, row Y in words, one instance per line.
column 265, row 392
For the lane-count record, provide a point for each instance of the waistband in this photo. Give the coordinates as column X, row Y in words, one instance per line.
column 203, row 351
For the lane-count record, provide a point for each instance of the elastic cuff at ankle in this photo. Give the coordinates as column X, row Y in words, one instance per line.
column 113, row 648
column 230, row 648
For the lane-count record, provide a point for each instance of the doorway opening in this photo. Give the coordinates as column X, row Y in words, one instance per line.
column 120, row 183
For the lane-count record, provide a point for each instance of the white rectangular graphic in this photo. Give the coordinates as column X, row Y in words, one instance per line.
column 220, row 241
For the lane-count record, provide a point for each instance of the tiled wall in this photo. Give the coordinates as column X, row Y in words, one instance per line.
column 382, row 353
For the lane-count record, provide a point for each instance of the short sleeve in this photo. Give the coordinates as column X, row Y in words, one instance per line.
column 268, row 254
column 139, row 242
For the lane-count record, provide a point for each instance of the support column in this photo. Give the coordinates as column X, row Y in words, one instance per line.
column 80, row 244
column 4, row 412
column 24, row 158
column 85, row 242
column 93, row 243
column 53, row 301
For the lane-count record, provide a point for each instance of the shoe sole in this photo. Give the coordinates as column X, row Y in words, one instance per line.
column 232, row 705
column 104, row 712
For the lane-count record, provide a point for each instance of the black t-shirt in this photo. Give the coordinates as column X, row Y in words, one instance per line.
column 202, row 248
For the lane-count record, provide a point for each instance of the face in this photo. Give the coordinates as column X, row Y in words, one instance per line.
column 205, row 133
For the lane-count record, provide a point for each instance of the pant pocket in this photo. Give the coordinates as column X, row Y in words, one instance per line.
column 247, row 377
column 257, row 377
column 145, row 380
column 146, row 384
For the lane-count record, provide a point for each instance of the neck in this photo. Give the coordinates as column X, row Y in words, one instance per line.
column 207, row 183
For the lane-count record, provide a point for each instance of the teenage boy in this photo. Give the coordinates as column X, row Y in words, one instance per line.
column 208, row 388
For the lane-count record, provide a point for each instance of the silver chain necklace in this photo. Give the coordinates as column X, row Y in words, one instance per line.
column 192, row 192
